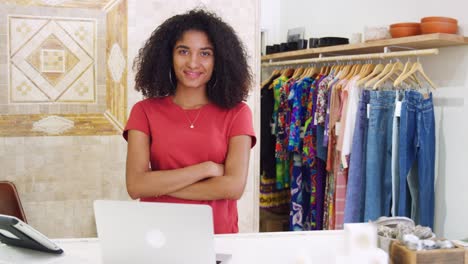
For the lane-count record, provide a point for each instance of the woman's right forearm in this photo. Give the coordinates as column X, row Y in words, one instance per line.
column 160, row 182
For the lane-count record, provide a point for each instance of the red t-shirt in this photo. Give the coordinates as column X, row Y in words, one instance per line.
column 175, row 145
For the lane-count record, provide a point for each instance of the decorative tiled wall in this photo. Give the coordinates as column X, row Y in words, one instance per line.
column 48, row 143
column 51, row 60
column 58, row 178
column 117, row 63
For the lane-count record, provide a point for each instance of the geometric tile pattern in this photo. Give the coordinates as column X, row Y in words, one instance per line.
column 117, row 59
column 80, row 90
column 116, row 62
column 54, row 56
column 81, row 32
column 52, row 61
column 64, row 64
column 83, row 125
column 23, row 90
column 53, row 125
column 97, row 4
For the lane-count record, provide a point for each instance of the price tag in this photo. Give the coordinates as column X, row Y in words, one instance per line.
column 398, row 109
column 368, row 111
column 337, row 128
column 344, row 161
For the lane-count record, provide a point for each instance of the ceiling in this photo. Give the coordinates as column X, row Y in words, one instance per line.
column 95, row 4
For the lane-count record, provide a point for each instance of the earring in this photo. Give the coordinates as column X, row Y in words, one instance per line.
column 170, row 78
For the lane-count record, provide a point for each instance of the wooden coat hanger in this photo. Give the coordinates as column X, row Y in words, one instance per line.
column 397, row 68
column 366, row 70
column 357, row 71
column 288, row 72
column 375, row 79
column 351, row 72
column 328, row 69
column 363, row 69
column 417, row 68
column 411, row 80
column 306, row 72
column 272, row 76
column 377, row 69
column 344, row 71
column 297, row 73
column 323, row 69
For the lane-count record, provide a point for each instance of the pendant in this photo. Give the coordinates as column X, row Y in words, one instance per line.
column 191, row 126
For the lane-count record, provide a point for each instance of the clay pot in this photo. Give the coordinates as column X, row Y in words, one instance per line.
column 406, row 24
column 398, row 32
column 439, row 19
column 439, row 27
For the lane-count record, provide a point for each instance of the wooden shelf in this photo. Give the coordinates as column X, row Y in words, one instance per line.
column 437, row 40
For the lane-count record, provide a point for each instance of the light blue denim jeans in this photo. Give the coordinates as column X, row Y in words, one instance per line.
column 417, row 154
column 354, row 207
column 379, row 155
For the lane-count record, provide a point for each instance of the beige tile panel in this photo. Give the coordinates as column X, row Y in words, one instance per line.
column 23, row 90
column 21, row 30
column 82, row 90
column 83, row 32
column 58, row 178
column 116, row 96
column 61, row 41
column 3, row 74
column 84, row 124
column 96, row 4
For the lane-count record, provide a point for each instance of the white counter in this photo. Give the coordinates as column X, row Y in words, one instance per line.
column 271, row 248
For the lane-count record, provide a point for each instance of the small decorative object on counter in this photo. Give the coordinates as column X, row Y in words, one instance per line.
column 400, row 254
column 415, row 243
column 355, row 38
column 332, row 41
column 313, row 43
column 376, row 33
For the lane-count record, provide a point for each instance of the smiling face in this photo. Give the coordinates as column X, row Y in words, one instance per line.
column 193, row 60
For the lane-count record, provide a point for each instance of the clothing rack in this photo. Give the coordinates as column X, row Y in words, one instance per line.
column 369, row 56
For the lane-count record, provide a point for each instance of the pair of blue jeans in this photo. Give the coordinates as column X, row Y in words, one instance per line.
column 354, row 207
column 417, row 157
column 379, row 155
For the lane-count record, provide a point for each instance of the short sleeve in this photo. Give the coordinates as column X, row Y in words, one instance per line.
column 137, row 120
column 242, row 124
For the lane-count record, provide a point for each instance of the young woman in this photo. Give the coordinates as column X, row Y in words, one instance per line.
column 193, row 128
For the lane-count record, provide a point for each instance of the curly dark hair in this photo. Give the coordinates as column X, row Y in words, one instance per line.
column 231, row 78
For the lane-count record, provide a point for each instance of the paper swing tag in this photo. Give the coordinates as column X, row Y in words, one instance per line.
column 368, row 111
column 398, row 109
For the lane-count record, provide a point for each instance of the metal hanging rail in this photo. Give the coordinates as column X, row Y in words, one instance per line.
column 369, row 56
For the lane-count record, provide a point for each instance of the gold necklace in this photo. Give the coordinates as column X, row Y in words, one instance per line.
column 192, row 123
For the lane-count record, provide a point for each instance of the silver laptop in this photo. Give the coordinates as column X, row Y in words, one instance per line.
column 141, row 232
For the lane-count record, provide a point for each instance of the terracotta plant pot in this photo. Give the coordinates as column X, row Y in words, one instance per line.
column 439, row 19
column 398, row 32
column 438, row 27
column 406, row 24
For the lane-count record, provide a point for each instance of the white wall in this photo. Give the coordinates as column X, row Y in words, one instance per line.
column 447, row 70
column 270, row 22
column 244, row 17
column 341, row 18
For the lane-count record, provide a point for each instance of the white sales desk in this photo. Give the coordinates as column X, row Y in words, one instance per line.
column 271, row 248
